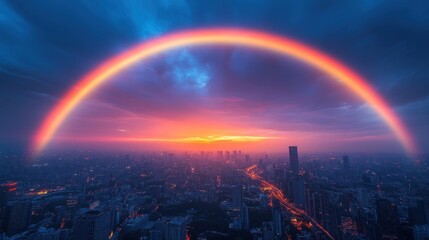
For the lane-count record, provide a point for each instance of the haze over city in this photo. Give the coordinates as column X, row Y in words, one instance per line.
column 188, row 119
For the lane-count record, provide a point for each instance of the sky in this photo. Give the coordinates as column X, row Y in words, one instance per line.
column 214, row 97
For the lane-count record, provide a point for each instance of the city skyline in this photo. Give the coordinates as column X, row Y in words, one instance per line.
column 213, row 195
column 214, row 120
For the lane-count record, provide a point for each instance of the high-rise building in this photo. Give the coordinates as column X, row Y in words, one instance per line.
column 293, row 159
column 176, row 229
column 244, row 218
column 93, row 225
column 156, row 235
column 237, row 197
column 219, row 155
column 159, row 229
column 421, row 232
column 346, row 163
column 277, row 219
column 267, row 230
column 7, row 191
column 247, row 158
column 234, row 155
column 263, row 201
column 17, row 217
column 4, row 195
column 298, row 192
column 387, row 217
column 417, row 213
column 277, row 223
column 319, row 202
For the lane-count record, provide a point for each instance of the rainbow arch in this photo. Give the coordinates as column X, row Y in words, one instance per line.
column 220, row 36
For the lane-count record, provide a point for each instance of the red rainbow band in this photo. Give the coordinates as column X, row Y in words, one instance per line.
column 221, row 36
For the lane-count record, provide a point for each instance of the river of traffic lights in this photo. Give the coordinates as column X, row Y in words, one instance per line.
column 276, row 193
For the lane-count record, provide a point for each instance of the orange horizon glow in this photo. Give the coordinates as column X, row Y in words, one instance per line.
column 203, row 140
column 207, row 143
column 220, row 36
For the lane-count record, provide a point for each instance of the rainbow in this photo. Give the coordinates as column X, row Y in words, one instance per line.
column 221, row 36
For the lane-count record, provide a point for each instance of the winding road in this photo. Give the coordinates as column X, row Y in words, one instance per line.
column 275, row 192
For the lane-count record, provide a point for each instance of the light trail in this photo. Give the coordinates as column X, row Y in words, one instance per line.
column 277, row 193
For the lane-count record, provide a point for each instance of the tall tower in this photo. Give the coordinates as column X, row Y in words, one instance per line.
column 346, row 163
column 298, row 191
column 17, row 217
column 4, row 196
column 176, row 229
column 93, row 225
column 293, row 159
column 244, row 217
column 277, row 219
column 387, row 217
column 237, row 197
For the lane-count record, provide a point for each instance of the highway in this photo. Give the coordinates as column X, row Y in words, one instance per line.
column 275, row 192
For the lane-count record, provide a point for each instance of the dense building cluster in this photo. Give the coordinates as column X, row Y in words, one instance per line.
column 213, row 195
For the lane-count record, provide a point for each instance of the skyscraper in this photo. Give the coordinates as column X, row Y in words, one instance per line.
column 244, row 217
column 158, row 231
column 387, row 217
column 346, row 163
column 17, row 217
column 293, row 159
column 7, row 191
column 417, row 213
column 298, row 192
column 237, row 197
column 93, row 225
column 277, row 219
column 267, row 230
column 4, row 196
column 277, row 223
column 176, row 229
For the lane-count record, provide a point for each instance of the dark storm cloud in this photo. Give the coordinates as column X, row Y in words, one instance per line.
column 46, row 45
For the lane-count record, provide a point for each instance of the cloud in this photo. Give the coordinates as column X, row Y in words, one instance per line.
column 47, row 45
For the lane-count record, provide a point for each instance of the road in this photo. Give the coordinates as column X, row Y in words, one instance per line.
column 275, row 192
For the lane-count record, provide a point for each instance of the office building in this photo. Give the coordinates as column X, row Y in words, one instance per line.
column 17, row 217
column 244, row 218
column 176, row 229
column 346, row 163
column 298, row 192
column 277, row 219
column 237, row 197
column 387, row 217
column 293, row 159
column 93, row 225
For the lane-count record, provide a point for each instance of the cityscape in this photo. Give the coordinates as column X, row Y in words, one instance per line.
column 214, row 195
column 214, row 120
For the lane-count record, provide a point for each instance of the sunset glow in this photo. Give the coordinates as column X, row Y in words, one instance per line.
column 220, row 36
column 180, row 119
column 203, row 140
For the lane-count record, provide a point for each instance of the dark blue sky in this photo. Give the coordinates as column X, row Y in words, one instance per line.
column 46, row 46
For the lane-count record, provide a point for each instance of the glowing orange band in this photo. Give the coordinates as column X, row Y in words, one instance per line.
column 222, row 36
